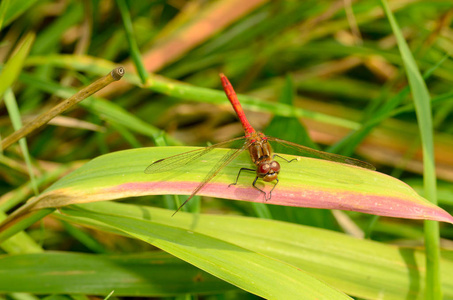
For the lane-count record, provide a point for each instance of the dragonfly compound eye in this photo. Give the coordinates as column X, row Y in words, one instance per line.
column 263, row 169
column 275, row 166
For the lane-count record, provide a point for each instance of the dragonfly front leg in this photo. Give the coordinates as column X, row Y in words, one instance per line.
column 288, row 161
column 270, row 193
column 237, row 178
column 265, row 194
column 254, row 183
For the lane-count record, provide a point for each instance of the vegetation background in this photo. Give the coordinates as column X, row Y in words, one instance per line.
column 338, row 62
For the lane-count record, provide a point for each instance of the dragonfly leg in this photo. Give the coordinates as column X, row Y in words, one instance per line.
column 270, row 193
column 265, row 194
column 284, row 158
column 237, row 178
column 254, row 182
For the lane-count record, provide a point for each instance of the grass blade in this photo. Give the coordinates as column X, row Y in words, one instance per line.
column 14, row 65
column 422, row 103
column 13, row 111
column 133, row 47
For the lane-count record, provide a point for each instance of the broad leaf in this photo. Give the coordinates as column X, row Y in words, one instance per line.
column 362, row 268
column 307, row 183
column 251, row 271
column 144, row 274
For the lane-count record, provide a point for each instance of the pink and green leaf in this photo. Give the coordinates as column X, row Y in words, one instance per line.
column 306, row 182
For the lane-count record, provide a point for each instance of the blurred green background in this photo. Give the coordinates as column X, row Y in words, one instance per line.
column 325, row 74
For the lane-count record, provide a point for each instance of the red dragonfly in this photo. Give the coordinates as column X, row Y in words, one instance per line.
column 256, row 143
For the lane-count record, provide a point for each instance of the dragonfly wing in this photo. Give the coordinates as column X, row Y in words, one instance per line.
column 226, row 159
column 324, row 155
column 180, row 160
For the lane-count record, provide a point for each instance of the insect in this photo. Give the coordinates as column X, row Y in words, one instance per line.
column 261, row 153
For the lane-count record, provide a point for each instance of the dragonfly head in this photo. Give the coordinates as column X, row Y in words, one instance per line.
column 268, row 170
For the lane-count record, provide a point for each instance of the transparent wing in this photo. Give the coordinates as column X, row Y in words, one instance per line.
column 306, row 151
column 179, row 160
column 226, row 159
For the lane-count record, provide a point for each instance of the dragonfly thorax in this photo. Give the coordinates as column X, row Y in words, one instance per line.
column 261, row 154
column 260, row 150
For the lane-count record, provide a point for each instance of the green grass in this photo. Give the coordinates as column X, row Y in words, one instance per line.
column 301, row 76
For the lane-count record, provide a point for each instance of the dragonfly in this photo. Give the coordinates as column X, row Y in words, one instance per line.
column 261, row 153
